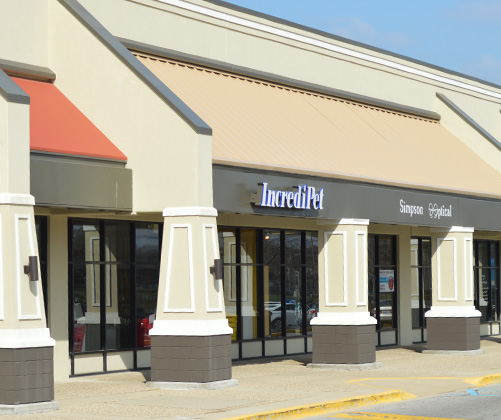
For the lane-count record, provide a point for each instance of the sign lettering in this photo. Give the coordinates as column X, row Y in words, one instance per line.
column 304, row 197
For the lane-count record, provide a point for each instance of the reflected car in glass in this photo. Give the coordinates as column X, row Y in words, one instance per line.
column 276, row 315
column 311, row 313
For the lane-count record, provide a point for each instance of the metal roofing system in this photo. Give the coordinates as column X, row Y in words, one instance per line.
column 58, row 126
column 262, row 125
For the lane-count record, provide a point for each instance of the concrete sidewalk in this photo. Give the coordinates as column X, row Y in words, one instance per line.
column 273, row 386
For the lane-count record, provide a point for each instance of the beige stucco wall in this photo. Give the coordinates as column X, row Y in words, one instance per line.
column 198, row 34
column 14, row 148
column 466, row 133
column 21, row 300
column 23, row 31
column 187, row 290
column 342, row 267
column 452, row 268
column 57, row 284
column 171, row 164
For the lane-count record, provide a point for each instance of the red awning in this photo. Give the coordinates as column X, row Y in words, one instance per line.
column 58, row 126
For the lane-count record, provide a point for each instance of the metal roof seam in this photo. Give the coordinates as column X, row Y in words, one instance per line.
column 282, row 87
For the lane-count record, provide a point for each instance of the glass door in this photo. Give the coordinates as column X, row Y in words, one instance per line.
column 383, row 286
column 486, row 279
column 420, row 282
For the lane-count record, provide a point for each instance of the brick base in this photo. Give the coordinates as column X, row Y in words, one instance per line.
column 26, row 375
column 344, row 344
column 190, row 359
column 453, row 333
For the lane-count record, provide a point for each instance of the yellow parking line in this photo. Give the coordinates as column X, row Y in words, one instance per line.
column 484, row 380
column 325, row 408
column 381, row 416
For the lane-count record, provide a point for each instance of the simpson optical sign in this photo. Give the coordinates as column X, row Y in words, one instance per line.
column 303, row 197
column 434, row 210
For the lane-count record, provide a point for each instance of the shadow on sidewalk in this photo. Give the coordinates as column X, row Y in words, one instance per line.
column 303, row 359
column 494, row 339
column 417, row 348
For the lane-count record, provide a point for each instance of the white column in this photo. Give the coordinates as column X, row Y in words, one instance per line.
column 26, row 348
column 191, row 338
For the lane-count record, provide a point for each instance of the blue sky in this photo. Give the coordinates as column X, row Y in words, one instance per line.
column 463, row 36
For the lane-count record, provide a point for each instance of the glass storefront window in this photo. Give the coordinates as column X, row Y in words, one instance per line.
column 420, row 280
column 293, row 297
column 86, row 308
column 41, row 230
column 269, row 276
column 271, row 247
column 113, row 295
column 228, row 255
column 272, row 281
column 382, row 281
column 311, row 279
column 146, row 302
column 248, row 284
column 147, row 247
column 486, row 279
column 292, row 248
column 371, row 247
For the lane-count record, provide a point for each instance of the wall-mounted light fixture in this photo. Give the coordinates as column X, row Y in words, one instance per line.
column 32, row 268
column 217, row 269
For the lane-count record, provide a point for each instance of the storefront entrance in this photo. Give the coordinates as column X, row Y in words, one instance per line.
column 383, row 286
column 486, row 284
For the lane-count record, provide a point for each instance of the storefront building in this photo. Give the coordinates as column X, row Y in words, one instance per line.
column 231, row 186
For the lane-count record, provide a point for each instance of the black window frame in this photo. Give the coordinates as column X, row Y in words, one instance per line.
column 133, row 265
column 476, row 279
column 421, row 266
column 377, row 268
column 42, row 239
column 259, row 266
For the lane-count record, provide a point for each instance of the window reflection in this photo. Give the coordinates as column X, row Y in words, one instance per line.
column 382, row 281
column 228, row 255
column 270, row 275
column 486, row 279
column 105, row 278
column 248, row 283
column 272, row 281
column 420, row 280
column 311, row 298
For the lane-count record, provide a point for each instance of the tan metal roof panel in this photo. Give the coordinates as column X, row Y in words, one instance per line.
column 264, row 125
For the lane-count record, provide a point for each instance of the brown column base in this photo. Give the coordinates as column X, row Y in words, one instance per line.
column 190, row 358
column 26, row 375
column 456, row 334
column 344, row 344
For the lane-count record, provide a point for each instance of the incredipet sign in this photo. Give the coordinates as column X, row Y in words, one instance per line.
column 302, row 197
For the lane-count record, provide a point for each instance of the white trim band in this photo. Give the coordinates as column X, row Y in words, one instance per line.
column 192, row 327
column 356, row 222
column 453, row 312
column 453, row 229
column 343, row 318
column 26, row 338
column 308, row 40
column 337, row 222
column 17, row 199
column 189, row 211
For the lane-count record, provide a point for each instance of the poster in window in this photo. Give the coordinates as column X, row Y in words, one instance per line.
column 387, row 280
